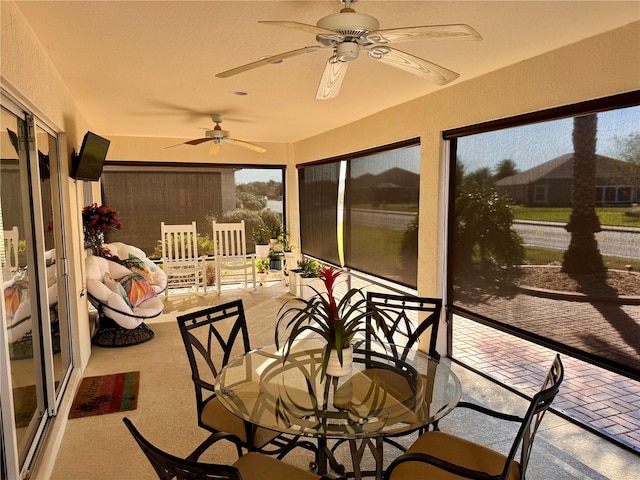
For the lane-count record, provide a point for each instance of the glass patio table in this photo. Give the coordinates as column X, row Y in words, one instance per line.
column 381, row 397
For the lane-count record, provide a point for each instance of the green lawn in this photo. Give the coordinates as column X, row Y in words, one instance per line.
column 380, row 243
column 543, row 256
column 612, row 216
column 390, row 207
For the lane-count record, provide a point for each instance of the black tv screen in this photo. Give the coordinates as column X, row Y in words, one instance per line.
column 88, row 164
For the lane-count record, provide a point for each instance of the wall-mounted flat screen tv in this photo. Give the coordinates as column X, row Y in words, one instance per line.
column 88, row 164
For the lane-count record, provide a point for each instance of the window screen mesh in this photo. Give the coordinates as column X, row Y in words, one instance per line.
column 382, row 204
column 379, row 218
column 145, row 198
column 319, row 210
column 545, row 233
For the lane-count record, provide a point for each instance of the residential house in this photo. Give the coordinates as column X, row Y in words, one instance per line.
column 550, row 183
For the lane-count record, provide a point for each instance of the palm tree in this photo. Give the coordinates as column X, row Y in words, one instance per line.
column 583, row 255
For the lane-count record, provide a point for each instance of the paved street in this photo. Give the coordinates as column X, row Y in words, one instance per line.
column 616, row 242
column 382, row 218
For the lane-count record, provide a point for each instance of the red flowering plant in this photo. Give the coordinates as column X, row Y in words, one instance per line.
column 335, row 321
column 97, row 221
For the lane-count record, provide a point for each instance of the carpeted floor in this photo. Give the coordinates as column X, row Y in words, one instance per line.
column 101, row 448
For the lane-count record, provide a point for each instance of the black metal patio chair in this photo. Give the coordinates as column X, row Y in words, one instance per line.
column 252, row 466
column 444, row 456
column 405, row 320
column 211, row 337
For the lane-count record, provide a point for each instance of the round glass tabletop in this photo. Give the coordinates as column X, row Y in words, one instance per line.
column 380, row 396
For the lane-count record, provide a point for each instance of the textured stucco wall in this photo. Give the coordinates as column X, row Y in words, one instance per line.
column 27, row 75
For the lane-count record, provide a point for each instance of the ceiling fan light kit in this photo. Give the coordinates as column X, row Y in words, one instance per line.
column 349, row 31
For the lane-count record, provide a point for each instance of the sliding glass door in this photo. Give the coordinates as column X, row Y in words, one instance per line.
column 36, row 336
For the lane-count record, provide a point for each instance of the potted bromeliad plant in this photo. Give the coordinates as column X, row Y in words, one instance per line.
column 337, row 322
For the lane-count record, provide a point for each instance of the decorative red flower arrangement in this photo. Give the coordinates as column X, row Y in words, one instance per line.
column 97, row 221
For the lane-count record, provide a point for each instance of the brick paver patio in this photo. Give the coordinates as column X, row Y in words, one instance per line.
column 607, row 402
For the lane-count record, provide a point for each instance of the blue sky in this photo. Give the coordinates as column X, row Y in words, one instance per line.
column 531, row 145
column 248, row 175
column 527, row 146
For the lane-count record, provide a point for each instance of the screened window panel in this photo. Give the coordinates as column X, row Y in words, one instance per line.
column 319, row 211
column 145, row 198
column 526, row 205
column 383, row 192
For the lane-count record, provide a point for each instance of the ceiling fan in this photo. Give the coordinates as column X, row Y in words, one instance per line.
column 348, row 32
column 217, row 136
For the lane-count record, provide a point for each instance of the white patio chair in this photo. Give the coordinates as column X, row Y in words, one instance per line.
column 10, row 252
column 230, row 252
column 180, row 260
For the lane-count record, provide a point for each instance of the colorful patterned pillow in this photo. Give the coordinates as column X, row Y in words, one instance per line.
column 116, row 287
column 16, row 293
column 11, row 299
column 152, row 266
column 139, row 266
column 137, row 288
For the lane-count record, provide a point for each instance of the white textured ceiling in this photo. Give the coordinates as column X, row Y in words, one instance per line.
column 146, row 68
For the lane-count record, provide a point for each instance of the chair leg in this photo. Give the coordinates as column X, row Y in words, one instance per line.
column 213, row 438
column 218, row 277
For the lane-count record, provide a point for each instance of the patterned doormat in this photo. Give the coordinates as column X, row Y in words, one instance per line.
column 117, row 392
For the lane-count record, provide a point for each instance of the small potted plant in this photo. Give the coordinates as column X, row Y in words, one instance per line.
column 262, row 266
column 337, row 322
column 289, row 255
column 261, row 239
column 275, row 258
column 305, row 280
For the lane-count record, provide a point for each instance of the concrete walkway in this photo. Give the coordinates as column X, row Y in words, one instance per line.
column 605, row 401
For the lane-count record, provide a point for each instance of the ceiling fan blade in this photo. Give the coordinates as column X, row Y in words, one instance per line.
column 242, row 143
column 396, row 35
column 331, row 81
column 412, row 64
column 306, row 28
column 266, row 61
column 214, row 148
column 197, row 141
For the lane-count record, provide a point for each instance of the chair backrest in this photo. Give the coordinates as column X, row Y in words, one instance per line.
column 170, row 467
column 211, row 337
column 540, row 403
column 179, row 244
column 406, row 319
column 10, row 252
column 229, row 240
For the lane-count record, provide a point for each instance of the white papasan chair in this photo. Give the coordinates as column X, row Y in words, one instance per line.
column 112, row 287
